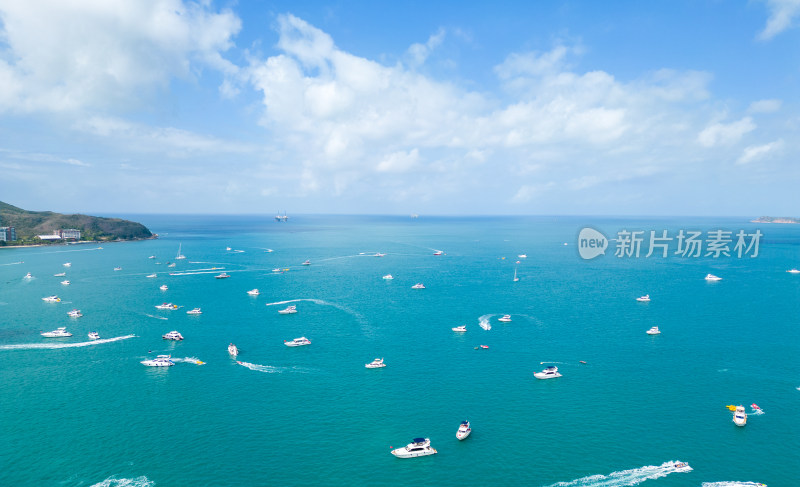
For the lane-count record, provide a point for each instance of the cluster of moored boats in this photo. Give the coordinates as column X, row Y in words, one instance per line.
column 61, row 332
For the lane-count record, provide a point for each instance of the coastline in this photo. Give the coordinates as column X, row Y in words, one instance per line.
column 82, row 242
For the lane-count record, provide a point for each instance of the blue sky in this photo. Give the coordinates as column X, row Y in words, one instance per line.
column 548, row 107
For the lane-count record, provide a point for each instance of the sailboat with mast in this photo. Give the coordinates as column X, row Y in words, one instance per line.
column 180, row 255
column 515, row 275
column 281, row 218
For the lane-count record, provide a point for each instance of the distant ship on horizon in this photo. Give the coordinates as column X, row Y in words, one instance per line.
column 282, row 218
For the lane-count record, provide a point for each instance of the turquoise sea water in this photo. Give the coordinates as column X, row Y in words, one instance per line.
column 93, row 415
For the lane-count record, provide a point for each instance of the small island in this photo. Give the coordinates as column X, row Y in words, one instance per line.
column 773, row 219
column 20, row 227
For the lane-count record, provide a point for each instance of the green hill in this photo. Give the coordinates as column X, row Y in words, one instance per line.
column 28, row 224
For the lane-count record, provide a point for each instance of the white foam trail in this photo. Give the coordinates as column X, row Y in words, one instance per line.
column 50, row 346
column 156, row 317
column 733, row 484
column 14, row 263
column 626, row 477
column 552, row 362
column 269, row 369
column 321, row 302
column 188, row 360
column 483, row 321
column 77, row 250
column 757, row 412
column 115, row 482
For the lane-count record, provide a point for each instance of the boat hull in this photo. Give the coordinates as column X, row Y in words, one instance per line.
column 403, row 453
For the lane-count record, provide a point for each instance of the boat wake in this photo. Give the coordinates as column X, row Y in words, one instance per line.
column 188, row 360
column 733, row 484
column 321, row 302
column 14, row 263
column 483, row 321
column 269, row 369
column 51, row 346
column 156, row 317
column 626, row 477
column 115, row 482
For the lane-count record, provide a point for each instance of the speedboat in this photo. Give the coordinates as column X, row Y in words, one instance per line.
column 289, row 310
column 152, row 275
column 484, row 346
column 228, row 249
column 65, row 282
column 169, row 306
column 160, row 361
column 152, row 257
column 195, row 311
column 653, row 331
column 643, row 299
column 308, row 262
column 60, row 274
column 276, row 270
column 118, row 268
column 739, row 416
column 233, row 350
column 375, row 364
column 173, row 335
column 463, row 430
column 67, row 264
column 163, row 287
column 28, row 276
column 461, row 328
column 522, row 256
column 57, row 333
column 419, row 447
column 52, row 299
column 388, row 276
column 75, row 313
column 550, row 372
column 793, row 271
column 93, row 335
column 171, row 265
column 297, row 342
column 712, row 277
column 438, row 252
column 378, row 254
column 253, row 292
column 418, row 285
column 505, row 319
column 222, row 276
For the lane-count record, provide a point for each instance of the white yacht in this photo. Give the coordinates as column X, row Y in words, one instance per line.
column 160, row 361
column 793, row 271
column 505, row 319
column 171, row 265
column 75, row 313
column 28, row 276
column 522, row 256
column 152, row 257
column 297, row 342
column 93, row 335
column 228, row 249
column 712, row 277
column 253, row 292
column 60, row 274
column 169, row 306
column 57, row 333
column 463, row 430
column 550, row 372
column 222, row 276
column 118, row 268
column 233, row 350
column 152, row 275
column 643, row 299
column 388, row 277
column 289, row 310
column 739, row 416
column 653, row 331
column 67, row 264
column 163, row 287
column 418, row 285
column 195, row 311
column 180, row 256
column 65, row 282
column 173, row 335
column 419, row 447
column 375, row 364
column 308, row 262
column 461, row 328
column 52, row 299
column 438, row 252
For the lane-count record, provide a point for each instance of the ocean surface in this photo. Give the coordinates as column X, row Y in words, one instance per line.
column 78, row 413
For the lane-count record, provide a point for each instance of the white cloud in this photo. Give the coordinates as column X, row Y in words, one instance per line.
column 400, row 161
column 528, row 192
column 418, row 53
column 719, row 133
column 759, row 152
column 39, row 157
column 782, row 13
column 765, row 106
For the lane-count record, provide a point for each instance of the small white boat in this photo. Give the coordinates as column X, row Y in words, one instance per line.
column 173, row 335
column 463, row 430
column 375, row 364
column 67, row 264
column 51, row 299
column 163, row 287
column 171, row 265
column 118, row 268
column 65, row 282
column 222, row 276
column 388, row 277
column 289, row 310
column 522, row 256
column 418, row 285
column 276, row 270
column 228, row 249
column 60, row 274
column 515, row 275
column 712, row 277
column 152, row 275
column 57, row 333
column 180, row 256
column 308, row 262
column 461, row 328
column 28, row 276
column 232, row 350
column 653, row 331
column 93, row 335
column 419, row 447
column 505, row 319
column 160, row 361
column 75, row 313
column 643, row 299
column 793, row 271
column 253, row 292
column 739, row 416
column 297, row 342
column 378, row 254
column 550, row 372
column 169, row 306
column 195, row 311
column 152, row 257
